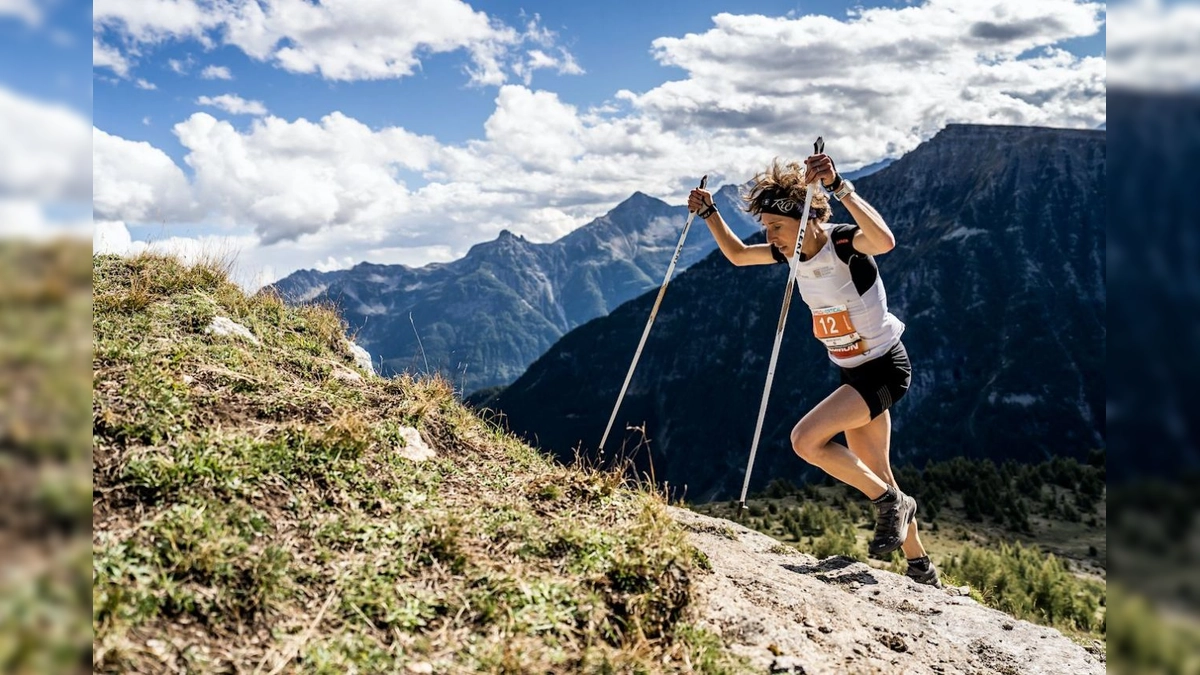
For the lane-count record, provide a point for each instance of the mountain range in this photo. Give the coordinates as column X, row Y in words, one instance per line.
column 999, row 275
column 481, row 320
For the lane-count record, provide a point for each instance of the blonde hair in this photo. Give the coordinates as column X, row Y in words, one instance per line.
column 784, row 181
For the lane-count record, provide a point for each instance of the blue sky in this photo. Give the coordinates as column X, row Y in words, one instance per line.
column 49, row 59
column 45, row 106
column 298, row 134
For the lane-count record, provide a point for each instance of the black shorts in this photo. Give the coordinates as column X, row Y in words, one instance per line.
column 881, row 381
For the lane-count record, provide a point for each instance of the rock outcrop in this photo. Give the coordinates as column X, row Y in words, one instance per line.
column 788, row 612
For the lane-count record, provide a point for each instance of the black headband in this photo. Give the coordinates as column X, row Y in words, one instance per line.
column 780, row 203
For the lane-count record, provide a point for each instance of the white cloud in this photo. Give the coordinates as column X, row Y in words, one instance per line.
column 136, row 181
column 874, row 84
column 104, row 56
column 294, row 178
column 29, row 219
column 239, row 254
column 109, row 237
column 45, row 150
column 113, row 237
column 24, row 10
column 1152, row 46
column 233, row 104
column 178, row 66
column 216, row 73
column 147, row 22
column 536, row 59
column 882, row 80
column 144, row 84
column 362, row 40
column 253, row 264
column 541, row 170
column 339, row 39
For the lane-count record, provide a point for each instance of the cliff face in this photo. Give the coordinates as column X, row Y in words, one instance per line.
column 484, row 318
column 998, row 275
column 1002, row 289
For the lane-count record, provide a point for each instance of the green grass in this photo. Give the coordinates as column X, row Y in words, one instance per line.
column 255, row 508
column 1032, row 585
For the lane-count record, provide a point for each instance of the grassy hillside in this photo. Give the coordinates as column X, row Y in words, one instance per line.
column 261, row 505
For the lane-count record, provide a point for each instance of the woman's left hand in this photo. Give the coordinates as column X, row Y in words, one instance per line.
column 819, row 167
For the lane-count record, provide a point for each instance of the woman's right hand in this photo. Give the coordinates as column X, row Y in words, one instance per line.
column 699, row 200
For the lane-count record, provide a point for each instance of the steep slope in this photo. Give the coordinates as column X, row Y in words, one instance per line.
column 259, row 504
column 484, row 318
column 998, row 275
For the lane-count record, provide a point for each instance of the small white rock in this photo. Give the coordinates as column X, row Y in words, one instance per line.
column 415, row 447
column 346, row 375
column 362, row 358
column 222, row 325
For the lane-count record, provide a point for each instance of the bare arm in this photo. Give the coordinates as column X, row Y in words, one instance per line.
column 873, row 236
column 734, row 250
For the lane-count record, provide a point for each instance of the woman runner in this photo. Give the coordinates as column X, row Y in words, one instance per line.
column 840, row 283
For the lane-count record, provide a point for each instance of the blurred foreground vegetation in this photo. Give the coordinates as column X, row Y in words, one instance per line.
column 45, row 485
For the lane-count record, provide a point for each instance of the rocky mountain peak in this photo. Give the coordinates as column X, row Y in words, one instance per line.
column 637, row 200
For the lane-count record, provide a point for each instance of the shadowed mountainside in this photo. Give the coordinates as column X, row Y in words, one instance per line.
column 998, row 274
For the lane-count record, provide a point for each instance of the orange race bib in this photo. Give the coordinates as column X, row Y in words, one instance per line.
column 832, row 326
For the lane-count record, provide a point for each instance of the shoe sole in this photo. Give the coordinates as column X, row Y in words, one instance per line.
column 903, row 530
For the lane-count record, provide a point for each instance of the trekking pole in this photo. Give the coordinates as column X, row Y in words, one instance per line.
column 653, row 312
column 794, row 264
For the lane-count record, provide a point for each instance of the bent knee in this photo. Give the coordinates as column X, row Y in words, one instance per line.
column 807, row 445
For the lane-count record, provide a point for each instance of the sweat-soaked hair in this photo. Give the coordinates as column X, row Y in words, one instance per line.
column 780, row 190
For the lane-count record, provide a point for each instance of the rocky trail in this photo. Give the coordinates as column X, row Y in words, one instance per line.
column 789, row 612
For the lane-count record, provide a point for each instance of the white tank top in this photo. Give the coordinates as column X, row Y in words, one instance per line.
column 848, row 302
